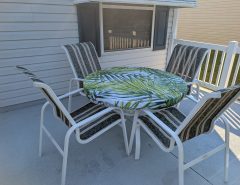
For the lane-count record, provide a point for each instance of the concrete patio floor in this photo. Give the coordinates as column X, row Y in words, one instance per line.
column 104, row 161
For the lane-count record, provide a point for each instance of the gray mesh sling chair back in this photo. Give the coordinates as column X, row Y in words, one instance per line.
column 87, row 122
column 83, row 60
column 170, row 127
column 185, row 62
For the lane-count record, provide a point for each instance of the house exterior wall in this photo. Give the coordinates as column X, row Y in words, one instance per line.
column 214, row 21
column 31, row 33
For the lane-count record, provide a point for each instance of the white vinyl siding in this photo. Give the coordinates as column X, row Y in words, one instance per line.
column 31, row 33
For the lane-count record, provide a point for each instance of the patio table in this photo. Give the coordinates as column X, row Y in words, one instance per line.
column 134, row 89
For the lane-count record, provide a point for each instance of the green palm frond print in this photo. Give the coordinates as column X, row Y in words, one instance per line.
column 135, row 88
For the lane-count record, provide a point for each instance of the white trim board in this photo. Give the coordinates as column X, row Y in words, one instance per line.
column 125, row 7
column 190, row 4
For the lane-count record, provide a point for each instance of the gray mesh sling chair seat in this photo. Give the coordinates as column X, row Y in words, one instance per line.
column 170, row 127
column 87, row 122
column 185, row 62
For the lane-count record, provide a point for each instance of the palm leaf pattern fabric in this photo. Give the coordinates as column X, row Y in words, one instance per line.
column 135, row 88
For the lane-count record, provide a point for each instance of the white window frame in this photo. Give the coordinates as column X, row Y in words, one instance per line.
column 126, row 7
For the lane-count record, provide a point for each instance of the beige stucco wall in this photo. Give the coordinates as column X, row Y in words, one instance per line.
column 215, row 21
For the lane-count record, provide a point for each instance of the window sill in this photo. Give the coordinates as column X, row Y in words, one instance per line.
column 111, row 53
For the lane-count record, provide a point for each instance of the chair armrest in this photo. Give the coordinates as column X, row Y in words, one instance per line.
column 160, row 123
column 61, row 97
column 75, row 125
column 195, row 82
column 77, row 79
column 70, row 90
column 226, row 123
column 192, row 98
column 192, row 83
column 88, row 120
column 69, row 94
column 173, row 134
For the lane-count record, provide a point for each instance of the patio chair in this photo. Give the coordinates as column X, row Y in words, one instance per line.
column 185, row 62
column 170, row 127
column 87, row 122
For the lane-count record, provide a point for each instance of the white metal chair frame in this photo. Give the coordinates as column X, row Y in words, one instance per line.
column 137, row 124
column 75, row 126
column 195, row 81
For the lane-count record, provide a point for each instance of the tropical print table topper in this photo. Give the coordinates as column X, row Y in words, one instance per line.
column 135, row 88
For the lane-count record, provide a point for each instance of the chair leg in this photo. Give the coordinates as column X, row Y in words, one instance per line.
column 134, row 126
column 64, row 164
column 138, row 143
column 65, row 156
column 40, row 138
column 180, row 163
column 226, row 157
column 123, row 124
column 41, row 129
column 180, row 171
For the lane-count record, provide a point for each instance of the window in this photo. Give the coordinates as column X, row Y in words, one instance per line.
column 117, row 27
column 125, row 27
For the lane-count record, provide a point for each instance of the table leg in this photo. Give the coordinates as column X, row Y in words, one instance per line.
column 123, row 124
column 134, row 127
column 137, row 143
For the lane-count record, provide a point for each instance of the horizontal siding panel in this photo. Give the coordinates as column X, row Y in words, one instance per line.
column 28, row 98
column 159, row 66
column 26, row 83
column 30, row 52
column 38, row 17
column 32, row 60
column 154, row 66
column 41, row 74
column 37, row 35
column 138, row 62
column 37, row 26
column 38, row 67
column 7, row 45
column 31, row 90
column 130, row 55
column 36, row 8
column 46, row 2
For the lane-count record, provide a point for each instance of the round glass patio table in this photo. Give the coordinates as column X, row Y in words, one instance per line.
column 135, row 88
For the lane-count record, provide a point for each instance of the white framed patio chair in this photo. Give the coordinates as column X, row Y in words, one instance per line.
column 86, row 123
column 186, row 61
column 170, row 128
